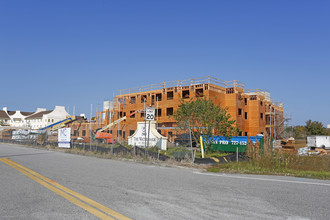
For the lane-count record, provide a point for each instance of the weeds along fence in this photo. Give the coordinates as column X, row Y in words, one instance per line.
column 118, row 150
column 31, row 142
column 263, row 148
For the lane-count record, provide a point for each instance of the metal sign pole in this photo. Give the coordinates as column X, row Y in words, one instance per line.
column 111, row 115
column 192, row 154
column 145, row 127
column 118, row 127
column 90, row 128
column 150, row 116
column 148, row 135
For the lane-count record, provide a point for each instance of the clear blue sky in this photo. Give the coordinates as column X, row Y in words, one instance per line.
column 77, row 53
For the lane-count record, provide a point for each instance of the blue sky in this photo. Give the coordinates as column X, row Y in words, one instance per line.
column 77, row 53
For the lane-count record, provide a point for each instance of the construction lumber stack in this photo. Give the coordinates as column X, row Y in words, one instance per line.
column 288, row 146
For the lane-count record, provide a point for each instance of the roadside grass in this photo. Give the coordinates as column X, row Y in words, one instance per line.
column 278, row 163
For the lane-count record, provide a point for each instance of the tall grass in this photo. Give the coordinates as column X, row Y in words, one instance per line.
column 268, row 161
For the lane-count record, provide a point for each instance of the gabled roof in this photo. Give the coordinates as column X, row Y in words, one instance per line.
column 22, row 113
column 3, row 115
column 38, row 115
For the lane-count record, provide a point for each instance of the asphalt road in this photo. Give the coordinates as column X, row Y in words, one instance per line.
column 141, row 191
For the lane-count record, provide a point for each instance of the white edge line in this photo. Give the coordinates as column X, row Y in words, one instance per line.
column 263, row 179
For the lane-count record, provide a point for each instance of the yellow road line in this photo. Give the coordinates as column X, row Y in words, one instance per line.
column 78, row 195
column 63, row 191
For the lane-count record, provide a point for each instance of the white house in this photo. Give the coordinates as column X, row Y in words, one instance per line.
column 17, row 118
column 35, row 120
column 44, row 118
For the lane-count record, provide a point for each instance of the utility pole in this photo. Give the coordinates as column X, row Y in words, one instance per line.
column 145, row 125
column 90, row 128
column 112, row 115
column 270, row 122
column 157, row 114
column 118, row 123
column 274, row 124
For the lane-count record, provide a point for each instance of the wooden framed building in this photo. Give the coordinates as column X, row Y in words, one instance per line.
column 254, row 111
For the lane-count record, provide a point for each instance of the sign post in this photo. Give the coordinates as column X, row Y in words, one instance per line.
column 64, row 136
column 150, row 116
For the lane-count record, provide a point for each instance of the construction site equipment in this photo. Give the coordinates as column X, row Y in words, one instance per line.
column 104, row 136
column 100, row 135
column 60, row 124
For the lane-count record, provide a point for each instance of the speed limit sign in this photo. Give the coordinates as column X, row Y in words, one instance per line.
column 150, row 114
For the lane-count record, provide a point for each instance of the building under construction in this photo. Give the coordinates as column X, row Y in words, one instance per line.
column 254, row 111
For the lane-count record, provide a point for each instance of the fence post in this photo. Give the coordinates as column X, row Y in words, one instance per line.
column 237, row 154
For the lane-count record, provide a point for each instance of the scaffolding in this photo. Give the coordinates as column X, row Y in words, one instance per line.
column 183, row 83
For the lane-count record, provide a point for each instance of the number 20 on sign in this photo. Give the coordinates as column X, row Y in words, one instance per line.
column 150, row 114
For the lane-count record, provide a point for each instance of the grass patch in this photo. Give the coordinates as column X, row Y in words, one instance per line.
column 171, row 150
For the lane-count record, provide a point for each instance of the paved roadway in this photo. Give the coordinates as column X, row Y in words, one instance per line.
column 141, row 191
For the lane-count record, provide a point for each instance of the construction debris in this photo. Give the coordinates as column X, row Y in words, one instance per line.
column 321, row 151
column 288, row 146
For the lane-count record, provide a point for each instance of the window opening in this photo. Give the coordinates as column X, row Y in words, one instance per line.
column 159, row 97
column 159, row 112
column 169, row 111
column 230, row 90
column 170, row 135
column 152, row 99
column 132, row 100
column 143, row 97
column 253, row 97
column 199, row 93
column 170, row 95
column 185, row 94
